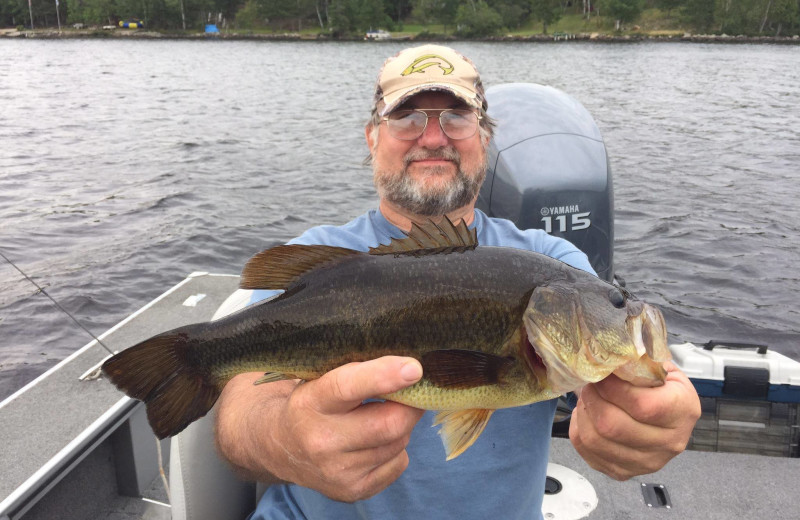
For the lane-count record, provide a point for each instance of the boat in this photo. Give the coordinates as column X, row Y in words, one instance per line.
column 131, row 24
column 76, row 448
column 380, row 34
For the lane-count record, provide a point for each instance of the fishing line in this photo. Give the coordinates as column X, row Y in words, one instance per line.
column 41, row 290
column 161, row 469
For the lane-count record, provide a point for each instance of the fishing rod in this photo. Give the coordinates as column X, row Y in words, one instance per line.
column 62, row 309
column 94, row 373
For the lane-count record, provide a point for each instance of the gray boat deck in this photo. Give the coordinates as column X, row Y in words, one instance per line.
column 47, row 426
column 700, row 485
column 60, row 455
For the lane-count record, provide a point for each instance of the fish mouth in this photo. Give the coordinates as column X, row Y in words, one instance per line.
column 648, row 331
column 649, row 334
column 573, row 355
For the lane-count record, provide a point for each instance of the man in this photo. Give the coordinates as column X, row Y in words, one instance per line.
column 347, row 458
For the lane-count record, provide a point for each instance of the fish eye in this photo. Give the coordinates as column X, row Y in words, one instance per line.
column 616, row 298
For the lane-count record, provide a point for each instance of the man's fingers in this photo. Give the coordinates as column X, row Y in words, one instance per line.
column 381, row 423
column 608, row 421
column 623, row 430
column 581, row 432
column 345, row 388
column 610, row 447
column 658, row 406
column 363, row 473
column 385, row 474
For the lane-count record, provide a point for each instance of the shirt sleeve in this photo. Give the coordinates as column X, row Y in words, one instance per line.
column 564, row 251
column 502, row 232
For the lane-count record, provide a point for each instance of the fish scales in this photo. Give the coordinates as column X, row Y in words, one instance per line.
column 378, row 305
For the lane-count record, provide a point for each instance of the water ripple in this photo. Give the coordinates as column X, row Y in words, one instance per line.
column 116, row 182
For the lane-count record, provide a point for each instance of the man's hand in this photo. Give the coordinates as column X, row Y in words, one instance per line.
column 624, row 430
column 319, row 434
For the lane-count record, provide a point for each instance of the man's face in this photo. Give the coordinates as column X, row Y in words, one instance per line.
column 433, row 174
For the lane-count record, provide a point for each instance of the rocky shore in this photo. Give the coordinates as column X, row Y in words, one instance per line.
column 113, row 33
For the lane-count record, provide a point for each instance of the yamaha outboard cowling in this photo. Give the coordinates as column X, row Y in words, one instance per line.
column 548, row 169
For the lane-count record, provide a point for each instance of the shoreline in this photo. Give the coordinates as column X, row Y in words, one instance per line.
column 54, row 34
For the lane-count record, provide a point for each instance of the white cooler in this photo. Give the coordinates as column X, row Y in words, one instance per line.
column 750, row 398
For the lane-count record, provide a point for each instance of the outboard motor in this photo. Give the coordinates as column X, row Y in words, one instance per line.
column 548, row 169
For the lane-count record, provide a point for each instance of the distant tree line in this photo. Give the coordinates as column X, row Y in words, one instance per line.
column 342, row 18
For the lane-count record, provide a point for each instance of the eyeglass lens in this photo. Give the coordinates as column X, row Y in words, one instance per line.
column 409, row 124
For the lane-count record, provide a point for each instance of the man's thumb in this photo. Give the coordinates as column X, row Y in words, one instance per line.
column 346, row 387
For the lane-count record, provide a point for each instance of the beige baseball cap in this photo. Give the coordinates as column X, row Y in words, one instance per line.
column 425, row 68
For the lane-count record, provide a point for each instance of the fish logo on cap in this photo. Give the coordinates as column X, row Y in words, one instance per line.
column 428, row 60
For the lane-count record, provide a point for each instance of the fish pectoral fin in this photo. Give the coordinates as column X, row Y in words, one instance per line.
column 431, row 238
column 270, row 377
column 280, row 266
column 453, row 368
column 461, row 428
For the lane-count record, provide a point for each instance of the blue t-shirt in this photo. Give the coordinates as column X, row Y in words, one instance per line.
column 502, row 475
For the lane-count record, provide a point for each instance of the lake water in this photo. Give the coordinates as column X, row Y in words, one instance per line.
column 126, row 165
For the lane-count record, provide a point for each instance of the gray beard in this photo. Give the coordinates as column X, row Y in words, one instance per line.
column 403, row 191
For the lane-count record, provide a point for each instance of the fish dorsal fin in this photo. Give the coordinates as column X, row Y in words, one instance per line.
column 431, row 237
column 278, row 267
column 461, row 428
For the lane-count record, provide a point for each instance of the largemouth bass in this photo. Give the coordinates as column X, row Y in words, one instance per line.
column 493, row 327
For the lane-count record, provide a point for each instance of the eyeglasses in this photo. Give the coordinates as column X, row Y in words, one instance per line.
column 408, row 125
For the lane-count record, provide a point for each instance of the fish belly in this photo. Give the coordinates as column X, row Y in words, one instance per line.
column 427, row 396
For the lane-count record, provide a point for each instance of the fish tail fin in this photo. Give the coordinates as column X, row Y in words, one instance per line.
column 159, row 372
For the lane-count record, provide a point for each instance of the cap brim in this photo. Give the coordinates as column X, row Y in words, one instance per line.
column 397, row 98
